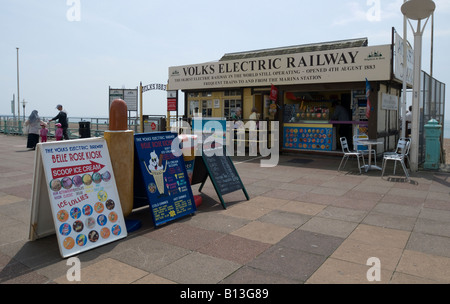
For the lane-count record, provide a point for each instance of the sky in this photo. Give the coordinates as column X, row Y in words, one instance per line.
column 72, row 51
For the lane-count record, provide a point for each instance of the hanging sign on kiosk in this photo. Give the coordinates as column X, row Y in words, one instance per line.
column 75, row 186
column 164, row 175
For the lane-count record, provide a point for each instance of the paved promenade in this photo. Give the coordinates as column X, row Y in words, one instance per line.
column 305, row 222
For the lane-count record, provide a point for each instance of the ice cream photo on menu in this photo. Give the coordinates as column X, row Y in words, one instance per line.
column 156, row 169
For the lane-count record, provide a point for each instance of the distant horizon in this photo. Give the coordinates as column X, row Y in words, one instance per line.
column 71, row 119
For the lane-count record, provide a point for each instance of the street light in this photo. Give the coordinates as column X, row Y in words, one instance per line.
column 417, row 10
column 18, row 95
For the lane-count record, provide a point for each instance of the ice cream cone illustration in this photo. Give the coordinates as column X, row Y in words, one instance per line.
column 156, row 169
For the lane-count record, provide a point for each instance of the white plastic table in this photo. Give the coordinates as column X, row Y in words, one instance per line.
column 369, row 143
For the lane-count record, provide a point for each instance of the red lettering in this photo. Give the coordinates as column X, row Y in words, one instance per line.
column 59, row 158
column 93, row 154
column 76, row 156
column 146, row 145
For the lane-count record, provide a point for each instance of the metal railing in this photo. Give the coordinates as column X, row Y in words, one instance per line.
column 14, row 126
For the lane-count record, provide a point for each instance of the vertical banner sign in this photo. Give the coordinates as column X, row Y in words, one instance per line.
column 164, row 174
column 172, row 100
column 83, row 196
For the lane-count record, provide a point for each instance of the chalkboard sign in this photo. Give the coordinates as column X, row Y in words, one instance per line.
column 215, row 163
column 164, row 176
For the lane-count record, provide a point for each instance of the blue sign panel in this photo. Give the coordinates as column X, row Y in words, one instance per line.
column 164, row 174
column 308, row 137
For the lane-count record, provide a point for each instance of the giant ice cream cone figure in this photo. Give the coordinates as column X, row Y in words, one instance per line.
column 120, row 142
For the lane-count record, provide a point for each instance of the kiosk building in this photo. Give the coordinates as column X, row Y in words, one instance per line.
column 300, row 87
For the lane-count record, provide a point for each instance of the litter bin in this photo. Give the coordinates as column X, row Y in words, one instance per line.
column 433, row 144
column 84, row 129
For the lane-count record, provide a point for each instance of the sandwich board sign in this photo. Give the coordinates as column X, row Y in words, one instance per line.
column 218, row 166
column 75, row 195
column 164, row 176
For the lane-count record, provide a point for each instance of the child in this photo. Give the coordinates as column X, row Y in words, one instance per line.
column 43, row 132
column 58, row 132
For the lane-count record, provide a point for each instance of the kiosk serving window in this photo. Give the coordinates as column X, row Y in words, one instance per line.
column 232, row 100
column 207, row 108
column 230, row 106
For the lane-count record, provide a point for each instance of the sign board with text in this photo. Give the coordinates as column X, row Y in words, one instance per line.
column 74, row 185
column 389, row 102
column 130, row 96
column 330, row 66
column 399, row 71
column 164, row 176
column 172, row 100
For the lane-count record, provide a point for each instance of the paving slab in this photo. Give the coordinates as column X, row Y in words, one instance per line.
column 305, row 222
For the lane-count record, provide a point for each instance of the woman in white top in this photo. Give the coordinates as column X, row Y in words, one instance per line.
column 33, row 124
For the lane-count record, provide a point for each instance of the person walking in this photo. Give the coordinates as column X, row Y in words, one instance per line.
column 33, row 124
column 43, row 132
column 62, row 119
column 58, row 132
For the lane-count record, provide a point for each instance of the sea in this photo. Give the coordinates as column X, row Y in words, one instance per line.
column 105, row 120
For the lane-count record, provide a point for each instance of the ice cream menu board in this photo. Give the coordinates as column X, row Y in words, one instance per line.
column 84, row 201
column 164, row 176
column 308, row 137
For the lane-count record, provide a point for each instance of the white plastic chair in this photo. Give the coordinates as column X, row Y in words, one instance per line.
column 347, row 153
column 403, row 146
column 364, row 151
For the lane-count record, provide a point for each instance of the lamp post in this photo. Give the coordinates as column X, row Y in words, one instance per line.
column 18, row 95
column 405, row 71
column 417, row 10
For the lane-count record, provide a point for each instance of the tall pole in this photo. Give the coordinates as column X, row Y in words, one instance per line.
column 417, row 10
column 432, row 42
column 18, row 96
column 405, row 71
column 13, row 102
column 141, row 117
column 416, row 98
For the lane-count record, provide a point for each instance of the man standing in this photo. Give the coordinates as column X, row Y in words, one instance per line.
column 408, row 119
column 342, row 114
column 62, row 119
